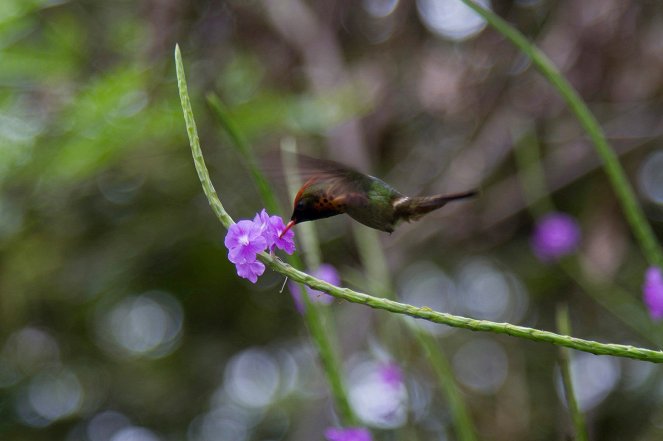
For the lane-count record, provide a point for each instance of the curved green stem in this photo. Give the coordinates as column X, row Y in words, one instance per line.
column 623, row 189
column 456, row 321
column 389, row 305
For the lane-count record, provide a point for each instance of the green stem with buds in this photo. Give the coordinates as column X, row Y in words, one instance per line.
column 424, row 313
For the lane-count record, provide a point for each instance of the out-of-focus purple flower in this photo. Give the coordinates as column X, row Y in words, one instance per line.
column 653, row 292
column 244, row 240
column 325, row 272
column 348, row 434
column 555, row 235
column 329, row 274
column 376, row 395
column 391, row 374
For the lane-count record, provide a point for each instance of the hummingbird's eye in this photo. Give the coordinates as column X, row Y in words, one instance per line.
column 300, row 205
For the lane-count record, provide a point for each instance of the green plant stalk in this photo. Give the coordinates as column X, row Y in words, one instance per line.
column 330, row 362
column 377, row 272
column 564, row 326
column 440, row 364
column 320, row 333
column 623, row 189
column 194, row 141
column 314, row 313
column 424, row 313
column 456, row 321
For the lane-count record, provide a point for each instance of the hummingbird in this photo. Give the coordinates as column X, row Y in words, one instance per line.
column 332, row 188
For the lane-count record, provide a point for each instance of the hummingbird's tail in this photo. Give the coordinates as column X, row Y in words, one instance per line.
column 411, row 209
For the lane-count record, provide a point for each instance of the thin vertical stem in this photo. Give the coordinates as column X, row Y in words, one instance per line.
column 564, row 326
column 440, row 364
column 321, row 328
column 379, row 278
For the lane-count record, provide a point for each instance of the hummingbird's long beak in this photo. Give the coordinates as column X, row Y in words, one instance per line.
column 287, row 227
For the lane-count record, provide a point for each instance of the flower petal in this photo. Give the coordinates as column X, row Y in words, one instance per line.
column 250, row 270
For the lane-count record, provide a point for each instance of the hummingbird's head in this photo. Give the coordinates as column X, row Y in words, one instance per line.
column 310, row 205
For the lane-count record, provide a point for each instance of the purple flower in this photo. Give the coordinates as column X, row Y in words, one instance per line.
column 391, row 374
column 348, row 434
column 325, row 272
column 653, row 292
column 555, row 235
column 272, row 228
column 244, row 240
column 250, row 270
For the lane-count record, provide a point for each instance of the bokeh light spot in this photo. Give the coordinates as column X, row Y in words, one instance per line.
column 224, row 423
column 149, row 325
column 451, row 18
column 105, row 424
column 379, row 8
column 481, row 365
column 29, row 349
column 134, row 434
column 424, row 284
column 593, row 376
column 651, row 177
column 252, row 378
column 51, row 395
column 376, row 402
column 490, row 294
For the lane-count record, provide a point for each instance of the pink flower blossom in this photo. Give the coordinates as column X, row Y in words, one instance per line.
column 272, row 228
column 244, row 240
column 247, row 238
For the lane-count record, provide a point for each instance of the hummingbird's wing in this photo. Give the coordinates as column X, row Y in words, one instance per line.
column 341, row 183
